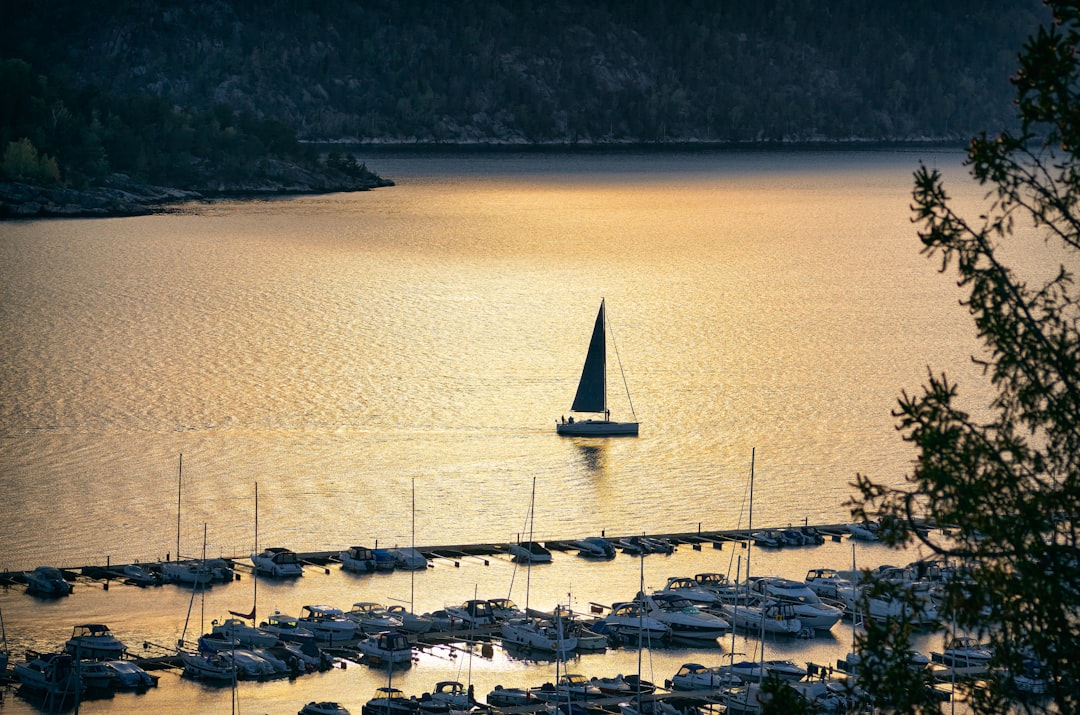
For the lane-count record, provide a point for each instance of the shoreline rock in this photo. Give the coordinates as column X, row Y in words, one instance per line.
column 119, row 197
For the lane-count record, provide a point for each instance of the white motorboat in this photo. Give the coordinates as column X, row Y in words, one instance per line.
column 93, row 641
column 694, row 676
column 472, row 614
column 192, row 572
column 390, row 701
column 453, row 695
column 96, row 677
column 691, row 590
column 808, row 607
column 826, row 582
column 50, row 674
column 358, row 559
column 530, row 552
column 327, row 623
column 325, row 707
column 865, row 531
column 409, row 559
column 278, row 562
column 501, row 697
column 537, row 634
column 129, row 676
column 387, row 648
column 252, row 666
column 595, row 547
column 571, row 686
column 212, row 667
column 687, row 621
column 591, row 396
column 247, row 636
column 919, row 609
column 772, row 617
column 137, row 575
column 963, row 652
column 504, row 609
column 287, row 628
column 752, row 670
column 46, row 581
column 410, row 622
column 718, row 583
column 630, row 621
column 372, row 617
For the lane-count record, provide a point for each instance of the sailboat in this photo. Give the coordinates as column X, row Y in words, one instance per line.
column 591, row 394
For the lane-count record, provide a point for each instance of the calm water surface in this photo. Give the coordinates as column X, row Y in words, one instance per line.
column 340, row 350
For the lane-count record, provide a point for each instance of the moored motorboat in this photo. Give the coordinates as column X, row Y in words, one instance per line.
column 192, row 572
column 93, row 641
column 687, row 621
column 537, row 634
column 138, row 575
column 630, row 621
column 963, row 652
column 473, row 613
column 571, row 686
column 529, row 552
column 595, row 547
column 46, row 581
column 410, row 622
column 770, row 617
column 327, row 623
column 752, row 670
column 372, row 617
column 277, row 562
column 211, row 667
column 287, row 628
column 358, row 559
column 504, row 609
column 51, row 674
column 387, row 648
column 409, row 559
column 245, row 635
column 384, row 559
column 695, row 676
column 690, row 590
column 325, row 707
column 808, row 607
column 501, row 697
column 826, row 582
column 130, row 676
column 390, row 701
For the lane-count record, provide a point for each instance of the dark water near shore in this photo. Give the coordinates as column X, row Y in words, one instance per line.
column 340, row 350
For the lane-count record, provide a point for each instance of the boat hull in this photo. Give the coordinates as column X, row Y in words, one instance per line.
column 597, row 428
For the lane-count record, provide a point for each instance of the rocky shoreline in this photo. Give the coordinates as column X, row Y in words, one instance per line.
column 119, row 196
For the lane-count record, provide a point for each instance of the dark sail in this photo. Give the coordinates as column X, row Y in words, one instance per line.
column 591, row 395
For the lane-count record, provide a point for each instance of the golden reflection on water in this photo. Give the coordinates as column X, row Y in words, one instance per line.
column 336, row 348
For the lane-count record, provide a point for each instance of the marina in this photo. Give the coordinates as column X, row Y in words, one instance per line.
column 476, row 654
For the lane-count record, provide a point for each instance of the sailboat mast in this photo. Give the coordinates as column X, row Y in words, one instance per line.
column 603, row 382
column 179, row 482
column 528, row 566
column 750, row 527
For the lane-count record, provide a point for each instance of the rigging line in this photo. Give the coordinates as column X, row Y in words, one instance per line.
column 618, row 359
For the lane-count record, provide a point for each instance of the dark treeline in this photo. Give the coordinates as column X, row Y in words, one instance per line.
column 153, row 81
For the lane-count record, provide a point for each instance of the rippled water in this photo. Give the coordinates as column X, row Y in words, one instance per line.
column 339, row 349
column 343, row 350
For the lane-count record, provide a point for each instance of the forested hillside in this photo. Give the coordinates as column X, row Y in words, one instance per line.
column 548, row 70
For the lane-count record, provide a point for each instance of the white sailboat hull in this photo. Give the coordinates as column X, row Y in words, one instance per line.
column 597, row 428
